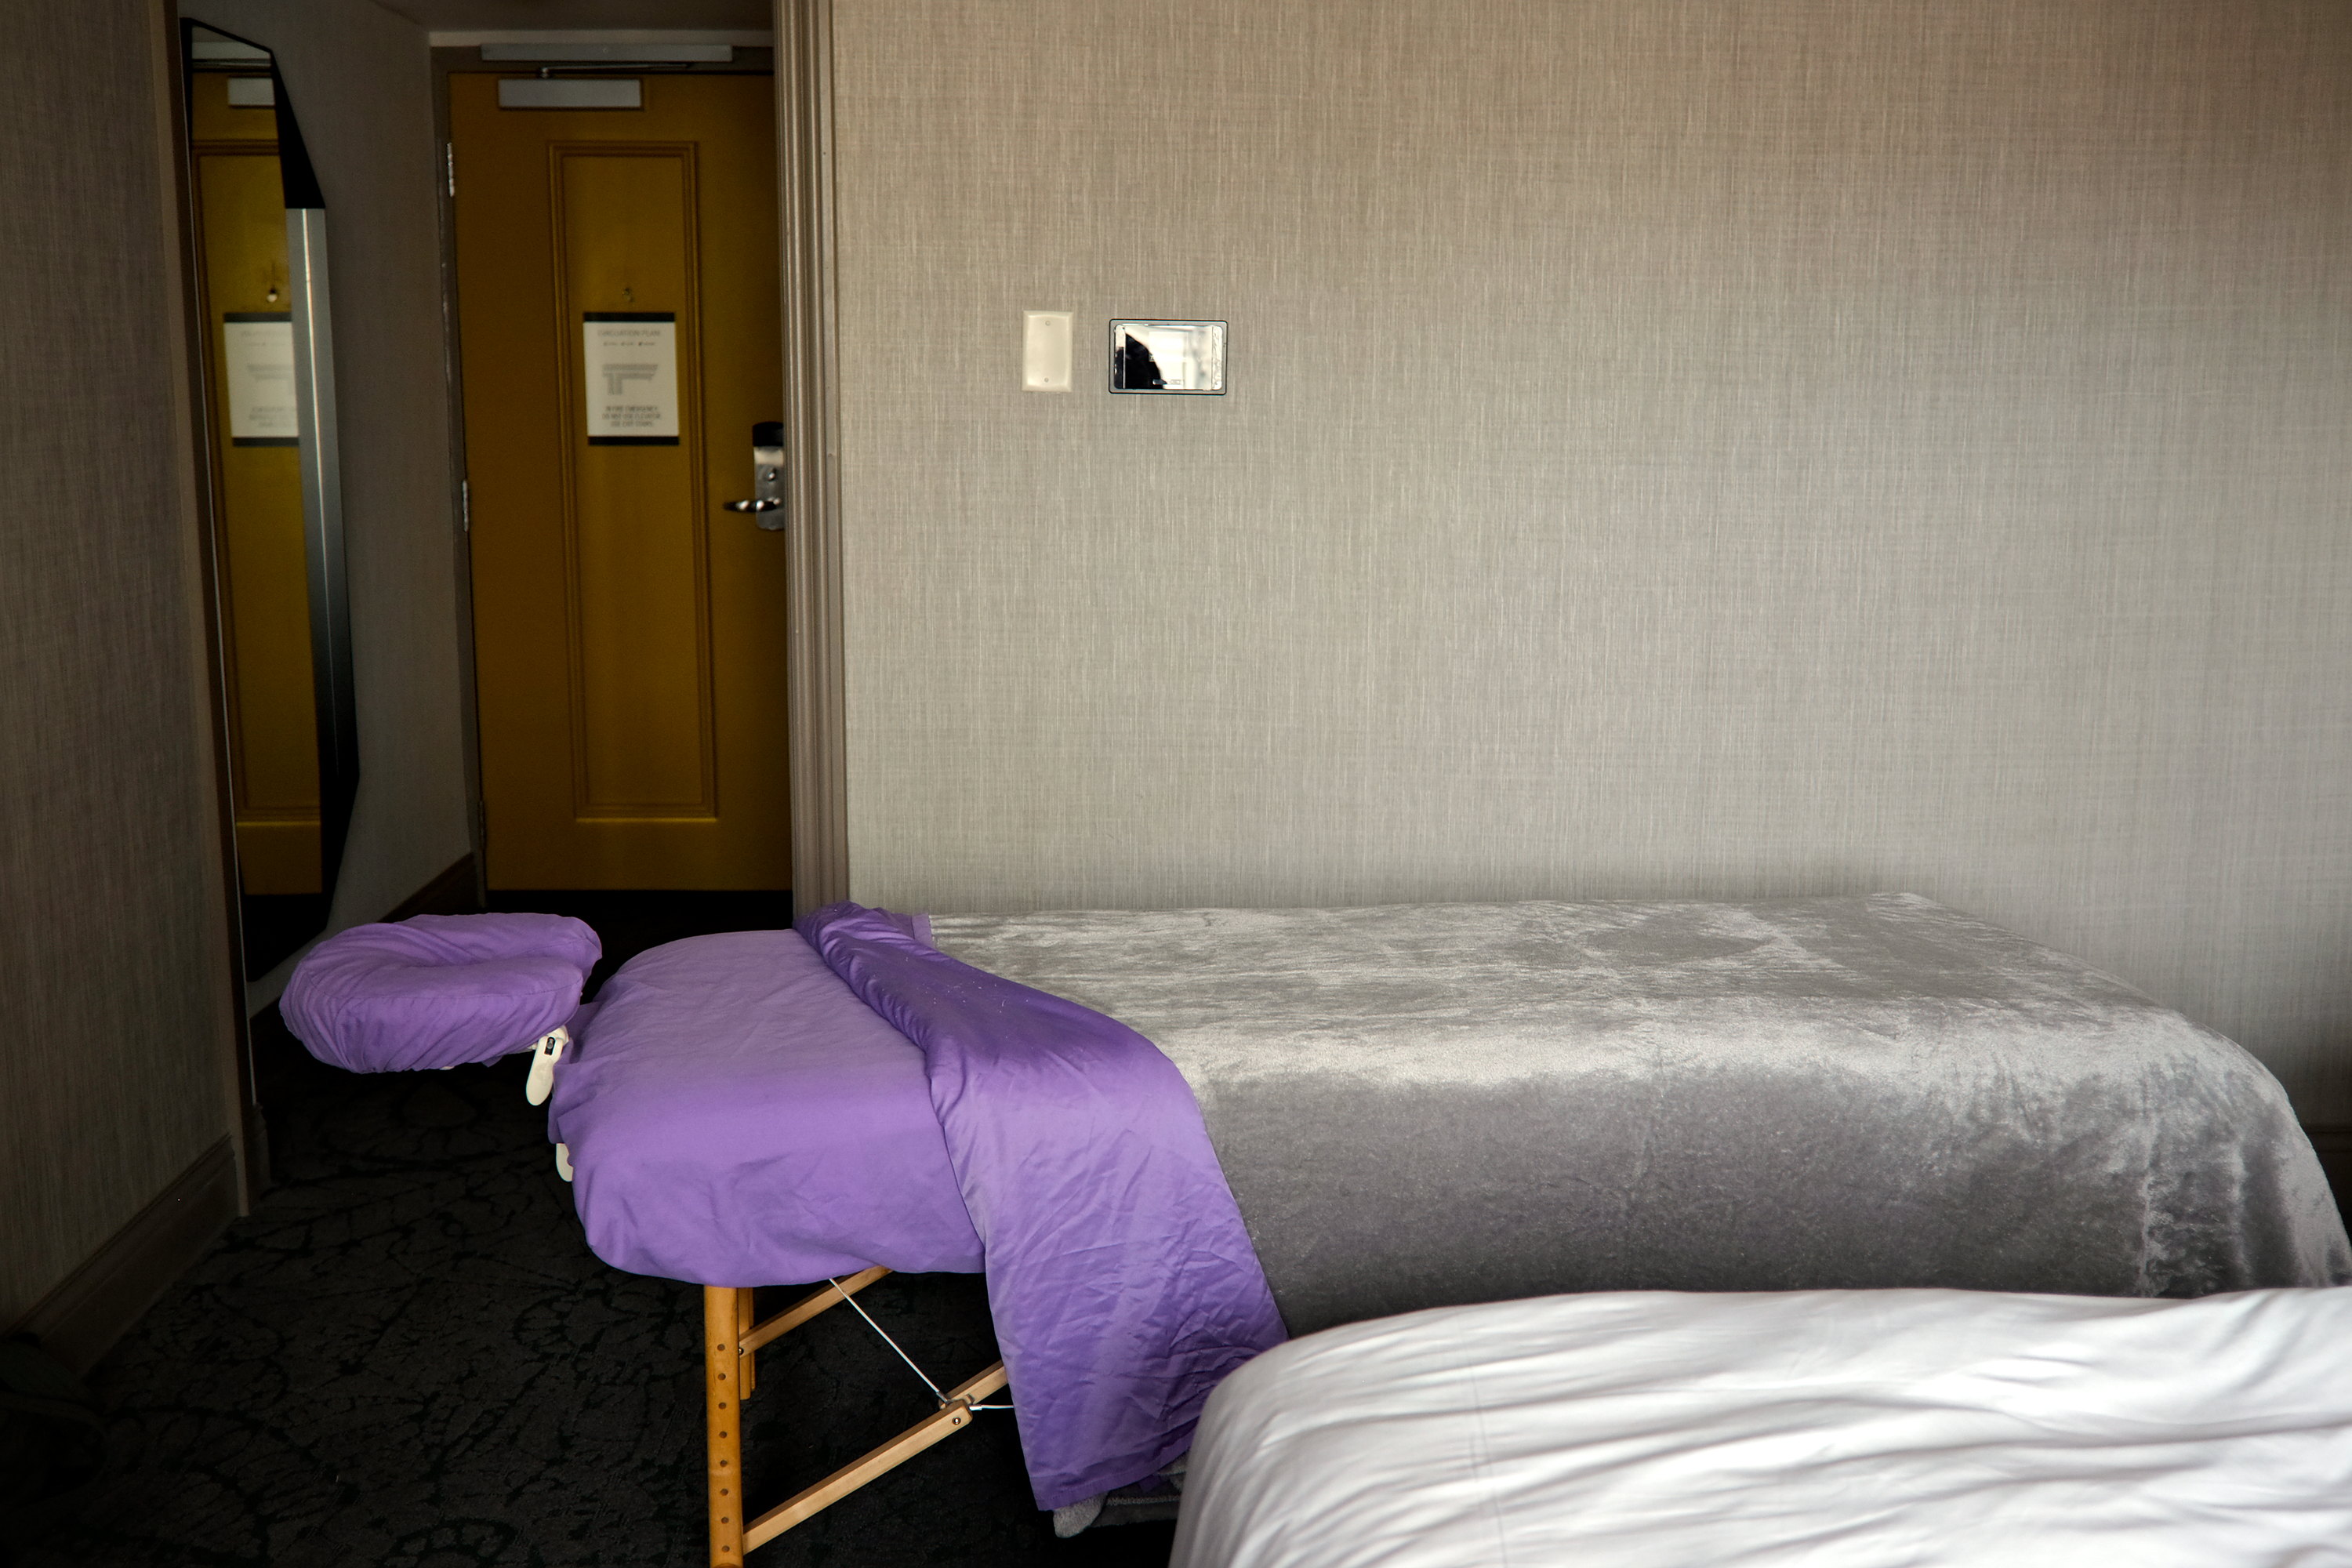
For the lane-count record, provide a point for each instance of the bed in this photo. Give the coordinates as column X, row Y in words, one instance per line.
column 1831, row 1429
column 1394, row 1109
column 1420, row 1105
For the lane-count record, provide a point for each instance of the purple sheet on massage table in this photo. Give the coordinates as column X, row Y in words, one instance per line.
column 735, row 1116
column 1121, row 1280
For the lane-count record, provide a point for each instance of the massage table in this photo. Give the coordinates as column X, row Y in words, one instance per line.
column 1826, row 1429
column 1413, row 1106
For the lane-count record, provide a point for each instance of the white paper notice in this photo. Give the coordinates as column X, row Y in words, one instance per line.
column 631, row 379
column 257, row 362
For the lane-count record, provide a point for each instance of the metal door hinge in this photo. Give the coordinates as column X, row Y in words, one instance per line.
column 450, row 149
column 465, row 507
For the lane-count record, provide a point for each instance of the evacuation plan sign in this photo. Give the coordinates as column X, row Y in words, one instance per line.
column 257, row 364
column 631, row 378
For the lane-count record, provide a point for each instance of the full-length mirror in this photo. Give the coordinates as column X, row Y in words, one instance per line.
column 268, row 437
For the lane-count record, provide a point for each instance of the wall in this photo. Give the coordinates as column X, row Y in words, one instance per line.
column 1674, row 448
column 116, row 1021
column 361, row 84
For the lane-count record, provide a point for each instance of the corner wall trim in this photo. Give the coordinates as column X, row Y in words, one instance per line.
column 817, row 727
column 193, row 433
column 96, row 1304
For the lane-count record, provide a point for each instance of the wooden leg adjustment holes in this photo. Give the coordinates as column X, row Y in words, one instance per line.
column 725, row 1312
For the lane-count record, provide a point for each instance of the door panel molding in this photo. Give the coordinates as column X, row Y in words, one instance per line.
column 818, row 732
column 605, row 650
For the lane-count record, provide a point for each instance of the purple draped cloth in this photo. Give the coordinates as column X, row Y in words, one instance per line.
column 1123, row 1285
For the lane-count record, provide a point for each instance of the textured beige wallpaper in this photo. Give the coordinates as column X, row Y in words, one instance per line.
column 1674, row 448
column 360, row 80
column 114, row 995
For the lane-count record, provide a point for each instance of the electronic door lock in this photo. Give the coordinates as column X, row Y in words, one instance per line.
column 766, row 506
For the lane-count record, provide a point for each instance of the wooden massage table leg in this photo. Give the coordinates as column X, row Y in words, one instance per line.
column 722, row 1378
column 729, row 1338
column 954, row 1415
column 746, row 1319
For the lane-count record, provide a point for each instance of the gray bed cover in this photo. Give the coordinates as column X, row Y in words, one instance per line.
column 1420, row 1105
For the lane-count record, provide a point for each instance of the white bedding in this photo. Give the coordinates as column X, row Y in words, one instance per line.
column 1831, row 1429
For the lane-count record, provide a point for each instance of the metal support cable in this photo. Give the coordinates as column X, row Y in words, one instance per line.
column 886, row 1340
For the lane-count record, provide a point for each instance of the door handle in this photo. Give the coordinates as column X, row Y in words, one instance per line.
column 766, row 506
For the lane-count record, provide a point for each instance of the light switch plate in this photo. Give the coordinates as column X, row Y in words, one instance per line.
column 1045, row 351
column 1168, row 356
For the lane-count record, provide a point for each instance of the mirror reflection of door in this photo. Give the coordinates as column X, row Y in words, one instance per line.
column 266, row 648
column 619, row 337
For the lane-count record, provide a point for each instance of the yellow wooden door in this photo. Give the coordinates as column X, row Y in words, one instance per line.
column 240, row 212
column 628, row 632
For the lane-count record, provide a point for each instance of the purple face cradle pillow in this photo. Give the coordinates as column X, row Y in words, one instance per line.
column 438, row 990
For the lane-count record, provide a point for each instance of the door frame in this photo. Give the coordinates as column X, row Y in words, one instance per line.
column 191, row 436
column 817, row 724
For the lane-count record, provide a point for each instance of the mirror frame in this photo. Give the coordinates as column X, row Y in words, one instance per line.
column 310, row 300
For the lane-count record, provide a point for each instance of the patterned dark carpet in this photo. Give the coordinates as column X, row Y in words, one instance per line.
column 407, row 1358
